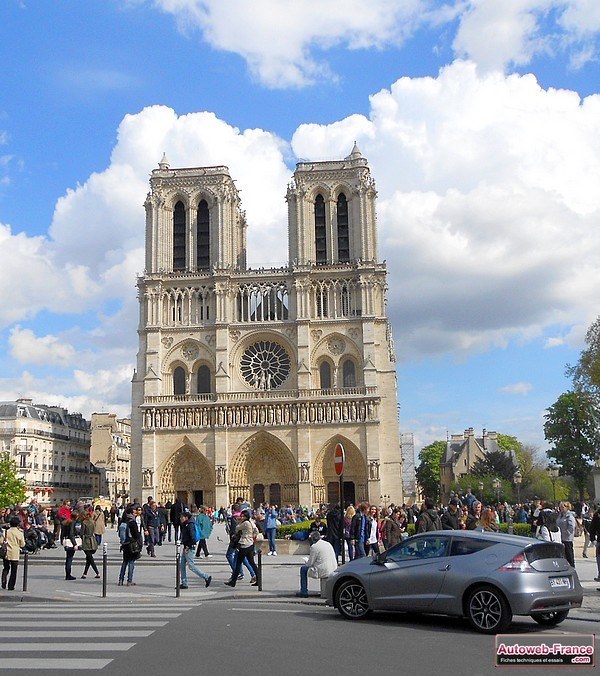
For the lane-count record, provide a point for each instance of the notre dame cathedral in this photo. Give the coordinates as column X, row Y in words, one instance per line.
column 246, row 378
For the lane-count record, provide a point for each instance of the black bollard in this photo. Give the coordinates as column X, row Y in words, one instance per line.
column 178, row 569
column 104, row 567
column 259, row 570
column 25, row 570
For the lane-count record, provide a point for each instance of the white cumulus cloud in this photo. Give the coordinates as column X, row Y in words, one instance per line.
column 488, row 211
column 488, row 206
column 521, row 389
column 285, row 43
column 26, row 347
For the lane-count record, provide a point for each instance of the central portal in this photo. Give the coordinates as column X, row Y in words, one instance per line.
column 264, row 470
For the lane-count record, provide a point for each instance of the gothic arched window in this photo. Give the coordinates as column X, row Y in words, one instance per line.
column 203, row 237
column 325, row 375
column 342, row 229
column 179, row 237
column 204, row 380
column 349, row 374
column 179, row 381
column 320, row 231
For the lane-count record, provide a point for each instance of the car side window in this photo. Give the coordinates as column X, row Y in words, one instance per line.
column 419, row 548
column 465, row 546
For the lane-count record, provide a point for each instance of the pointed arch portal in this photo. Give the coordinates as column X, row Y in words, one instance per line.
column 263, row 470
column 326, row 481
column 187, row 474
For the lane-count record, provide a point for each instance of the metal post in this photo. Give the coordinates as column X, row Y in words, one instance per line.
column 511, row 528
column 178, row 571
column 342, row 522
column 25, row 569
column 104, row 567
column 259, row 570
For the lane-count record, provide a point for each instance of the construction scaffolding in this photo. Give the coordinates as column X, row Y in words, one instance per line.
column 409, row 479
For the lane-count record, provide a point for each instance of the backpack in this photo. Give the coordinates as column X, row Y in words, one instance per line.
column 432, row 524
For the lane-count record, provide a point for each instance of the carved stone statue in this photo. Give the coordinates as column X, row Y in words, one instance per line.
column 148, row 478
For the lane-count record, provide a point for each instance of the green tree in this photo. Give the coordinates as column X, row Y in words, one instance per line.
column 495, row 463
column 586, row 373
column 428, row 471
column 571, row 426
column 12, row 488
column 508, row 443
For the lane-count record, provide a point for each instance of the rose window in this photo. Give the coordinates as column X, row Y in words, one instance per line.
column 265, row 365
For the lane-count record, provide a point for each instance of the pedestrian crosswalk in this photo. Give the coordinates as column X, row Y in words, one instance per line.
column 76, row 636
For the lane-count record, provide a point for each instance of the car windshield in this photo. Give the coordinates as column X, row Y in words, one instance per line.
column 427, row 547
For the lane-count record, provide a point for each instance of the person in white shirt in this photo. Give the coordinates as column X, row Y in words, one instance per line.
column 321, row 562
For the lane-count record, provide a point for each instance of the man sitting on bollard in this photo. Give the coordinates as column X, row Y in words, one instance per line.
column 320, row 564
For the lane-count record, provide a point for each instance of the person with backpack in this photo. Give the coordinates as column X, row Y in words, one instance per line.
column 548, row 529
column 131, row 545
column 203, row 532
column 586, row 519
column 188, row 542
column 428, row 519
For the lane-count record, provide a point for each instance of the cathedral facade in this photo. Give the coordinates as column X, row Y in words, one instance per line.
column 247, row 379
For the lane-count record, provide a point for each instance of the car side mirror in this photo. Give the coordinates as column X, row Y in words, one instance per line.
column 379, row 559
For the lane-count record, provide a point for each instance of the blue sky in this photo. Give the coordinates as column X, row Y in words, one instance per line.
column 480, row 120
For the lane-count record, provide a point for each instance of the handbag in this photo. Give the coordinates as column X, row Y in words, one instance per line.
column 234, row 539
column 134, row 546
column 4, row 549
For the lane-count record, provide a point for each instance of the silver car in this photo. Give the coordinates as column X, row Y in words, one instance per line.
column 485, row 577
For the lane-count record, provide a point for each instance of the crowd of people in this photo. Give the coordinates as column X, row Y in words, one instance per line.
column 361, row 530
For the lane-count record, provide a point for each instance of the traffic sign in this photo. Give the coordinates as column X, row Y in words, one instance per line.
column 339, row 458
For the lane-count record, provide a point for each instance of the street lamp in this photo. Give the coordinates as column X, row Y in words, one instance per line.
column 518, row 478
column 553, row 471
column 496, row 485
column 481, row 491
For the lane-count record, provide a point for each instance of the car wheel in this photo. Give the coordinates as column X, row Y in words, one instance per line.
column 551, row 619
column 351, row 600
column 488, row 611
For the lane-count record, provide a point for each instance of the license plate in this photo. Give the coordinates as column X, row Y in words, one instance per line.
column 559, row 582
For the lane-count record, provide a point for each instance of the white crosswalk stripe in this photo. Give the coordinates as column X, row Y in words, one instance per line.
column 89, row 627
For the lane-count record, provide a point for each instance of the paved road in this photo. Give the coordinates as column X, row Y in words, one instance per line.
column 229, row 636
column 221, row 631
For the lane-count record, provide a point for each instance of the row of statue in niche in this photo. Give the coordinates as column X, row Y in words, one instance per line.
column 261, row 414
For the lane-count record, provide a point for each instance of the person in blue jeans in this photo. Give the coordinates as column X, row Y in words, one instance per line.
column 270, row 524
column 188, row 542
column 358, row 531
column 232, row 552
column 128, row 532
column 151, row 521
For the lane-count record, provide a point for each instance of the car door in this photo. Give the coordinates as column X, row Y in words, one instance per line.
column 410, row 575
column 467, row 561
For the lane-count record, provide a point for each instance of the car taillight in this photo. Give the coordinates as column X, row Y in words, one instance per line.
column 518, row 562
